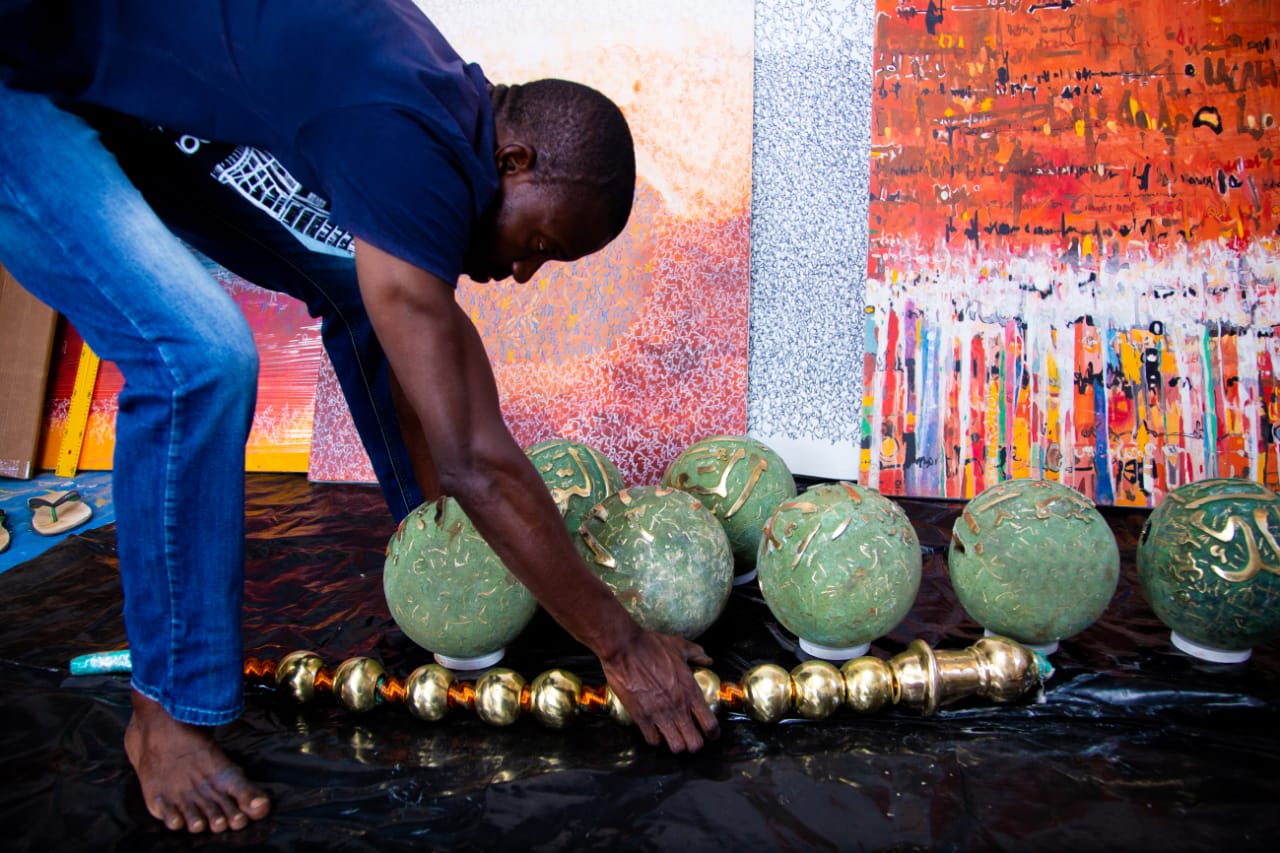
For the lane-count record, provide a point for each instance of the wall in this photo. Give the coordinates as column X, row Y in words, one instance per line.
column 809, row 193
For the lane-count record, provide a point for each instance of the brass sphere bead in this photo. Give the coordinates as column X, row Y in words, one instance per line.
column 498, row 696
column 868, row 684
column 768, row 692
column 426, row 692
column 710, row 684
column 617, row 711
column 553, row 697
column 819, row 689
column 355, row 683
column 296, row 674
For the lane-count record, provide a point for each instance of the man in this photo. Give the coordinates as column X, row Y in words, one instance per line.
column 434, row 175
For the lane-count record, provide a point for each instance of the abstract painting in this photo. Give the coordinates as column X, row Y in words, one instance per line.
column 641, row 349
column 1074, row 236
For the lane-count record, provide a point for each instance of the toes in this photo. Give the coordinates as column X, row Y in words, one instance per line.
column 242, row 797
column 193, row 818
column 166, row 813
column 258, row 807
column 220, row 810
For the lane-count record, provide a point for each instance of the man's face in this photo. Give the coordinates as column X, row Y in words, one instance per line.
column 534, row 223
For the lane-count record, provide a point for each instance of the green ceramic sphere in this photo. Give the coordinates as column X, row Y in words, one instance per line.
column 664, row 555
column 1033, row 560
column 1209, row 564
column 739, row 479
column 839, row 567
column 578, row 475
column 447, row 589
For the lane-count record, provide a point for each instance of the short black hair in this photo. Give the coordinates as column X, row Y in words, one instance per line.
column 581, row 138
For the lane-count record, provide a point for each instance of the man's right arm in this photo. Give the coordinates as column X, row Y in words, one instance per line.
column 444, row 374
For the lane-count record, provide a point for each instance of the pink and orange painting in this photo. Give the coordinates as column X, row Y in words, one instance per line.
column 1074, row 246
column 641, row 349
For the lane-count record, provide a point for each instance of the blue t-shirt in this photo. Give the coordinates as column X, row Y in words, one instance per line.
column 363, row 101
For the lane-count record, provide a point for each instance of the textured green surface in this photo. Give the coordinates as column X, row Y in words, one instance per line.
column 1209, row 563
column 447, row 589
column 839, row 565
column 1033, row 560
column 664, row 555
column 578, row 475
column 739, row 479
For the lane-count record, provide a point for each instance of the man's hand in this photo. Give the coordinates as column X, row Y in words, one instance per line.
column 443, row 372
column 652, row 678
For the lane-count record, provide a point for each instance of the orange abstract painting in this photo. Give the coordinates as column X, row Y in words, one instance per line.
column 1074, row 237
column 289, row 352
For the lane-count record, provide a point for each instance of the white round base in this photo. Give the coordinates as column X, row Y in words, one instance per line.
column 1208, row 653
column 468, row 664
column 1045, row 649
column 739, row 580
column 834, row 652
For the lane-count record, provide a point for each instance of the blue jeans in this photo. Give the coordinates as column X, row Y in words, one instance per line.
column 78, row 235
column 225, row 227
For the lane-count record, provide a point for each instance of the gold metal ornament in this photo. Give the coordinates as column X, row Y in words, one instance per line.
column 709, row 682
column 1005, row 670
column 553, row 698
column 817, row 689
column 868, row 684
column 355, row 683
column 920, row 678
column 427, row 692
column 768, row 692
column 296, row 675
column 498, row 694
column 617, row 711
column 995, row 668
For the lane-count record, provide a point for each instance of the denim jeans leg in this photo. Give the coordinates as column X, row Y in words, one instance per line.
column 79, row 236
column 224, row 226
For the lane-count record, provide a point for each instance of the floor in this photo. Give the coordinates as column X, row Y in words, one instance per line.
column 1129, row 744
column 24, row 542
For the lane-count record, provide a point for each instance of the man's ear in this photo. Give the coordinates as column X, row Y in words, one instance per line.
column 513, row 157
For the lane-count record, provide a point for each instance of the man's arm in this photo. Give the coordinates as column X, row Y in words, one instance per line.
column 444, row 374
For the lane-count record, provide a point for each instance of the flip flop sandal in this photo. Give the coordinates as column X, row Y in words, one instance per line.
column 4, row 534
column 51, row 517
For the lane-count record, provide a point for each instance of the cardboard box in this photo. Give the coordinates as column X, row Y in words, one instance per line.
column 27, row 328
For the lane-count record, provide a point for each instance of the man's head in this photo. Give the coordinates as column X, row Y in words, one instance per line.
column 567, row 169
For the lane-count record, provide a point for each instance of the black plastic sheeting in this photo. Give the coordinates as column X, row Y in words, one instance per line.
column 1132, row 746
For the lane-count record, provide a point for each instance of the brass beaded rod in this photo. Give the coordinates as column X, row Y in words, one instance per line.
column 919, row 678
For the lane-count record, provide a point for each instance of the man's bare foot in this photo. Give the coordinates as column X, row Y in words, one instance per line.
column 187, row 780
